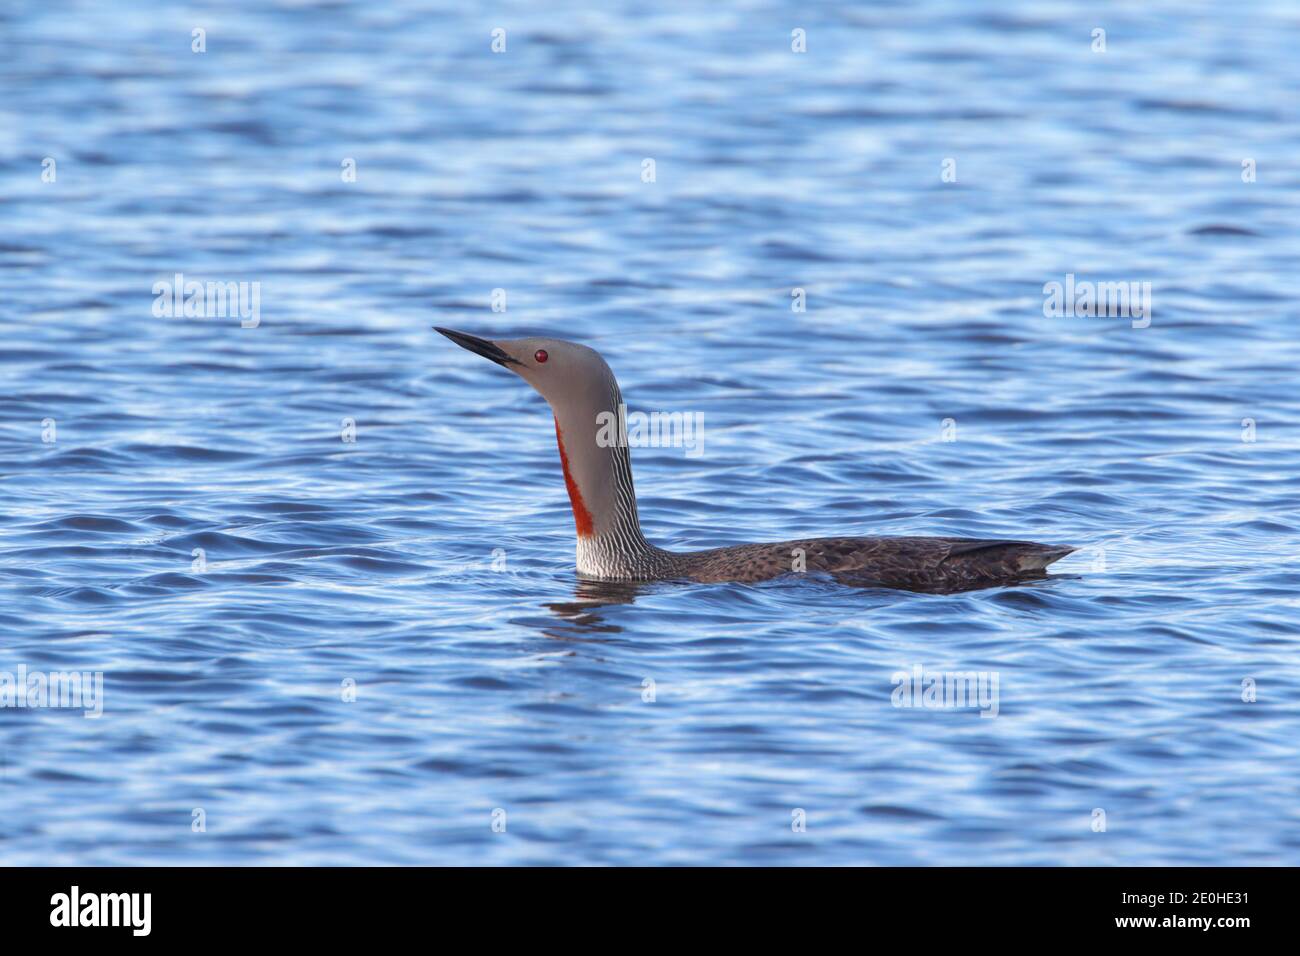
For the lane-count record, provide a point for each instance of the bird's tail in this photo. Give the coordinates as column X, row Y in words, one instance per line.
column 1035, row 557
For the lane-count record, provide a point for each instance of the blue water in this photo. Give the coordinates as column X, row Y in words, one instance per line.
column 487, row 684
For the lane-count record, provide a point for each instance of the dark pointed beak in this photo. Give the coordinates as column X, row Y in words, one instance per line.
column 489, row 350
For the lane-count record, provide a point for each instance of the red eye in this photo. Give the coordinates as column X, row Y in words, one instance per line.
column 541, row 356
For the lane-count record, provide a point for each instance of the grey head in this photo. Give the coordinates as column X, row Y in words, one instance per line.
column 564, row 373
column 585, row 399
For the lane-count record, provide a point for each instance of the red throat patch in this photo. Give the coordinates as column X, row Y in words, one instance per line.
column 581, row 516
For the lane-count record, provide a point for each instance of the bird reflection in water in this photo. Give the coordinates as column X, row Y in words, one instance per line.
column 582, row 617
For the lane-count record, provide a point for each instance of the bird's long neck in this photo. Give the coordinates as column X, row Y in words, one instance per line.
column 591, row 432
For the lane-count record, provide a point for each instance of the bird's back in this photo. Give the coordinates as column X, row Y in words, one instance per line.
column 922, row 564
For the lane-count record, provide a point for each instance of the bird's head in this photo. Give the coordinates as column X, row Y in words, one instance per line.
column 571, row 377
column 589, row 428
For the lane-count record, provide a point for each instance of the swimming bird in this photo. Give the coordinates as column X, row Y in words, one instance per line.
column 583, row 395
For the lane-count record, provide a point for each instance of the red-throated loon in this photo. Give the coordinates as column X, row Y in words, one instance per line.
column 582, row 392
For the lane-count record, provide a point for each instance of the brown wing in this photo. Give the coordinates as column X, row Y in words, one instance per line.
column 912, row 563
